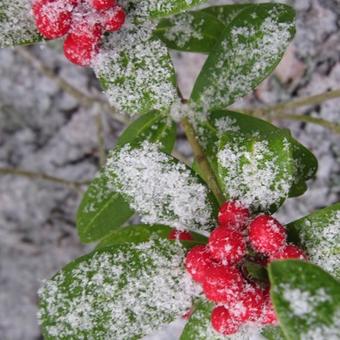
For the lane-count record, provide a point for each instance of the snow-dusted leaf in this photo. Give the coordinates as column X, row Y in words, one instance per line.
column 102, row 209
column 199, row 326
column 16, row 23
column 135, row 70
column 319, row 234
column 220, row 122
column 197, row 31
column 159, row 188
column 247, row 52
column 256, row 170
column 120, row 292
column 153, row 127
column 141, row 233
column 273, row 333
column 160, row 8
column 306, row 300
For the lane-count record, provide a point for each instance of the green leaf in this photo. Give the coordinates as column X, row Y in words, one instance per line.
column 273, row 333
column 124, row 291
column 135, row 71
column 153, row 127
column 102, row 209
column 220, row 122
column 318, row 233
column 199, row 327
column 159, row 188
column 306, row 300
column 141, row 233
column 16, row 24
column 248, row 50
column 256, row 170
column 197, row 31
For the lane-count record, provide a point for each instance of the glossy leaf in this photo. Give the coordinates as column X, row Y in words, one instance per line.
column 159, row 188
column 124, row 291
column 16, row 24
column 248, row 50
column 256, row 170
column 153, row 127
column 222, row 121
column 319, row 234
column 306, row 300
column 102, row 209
column 197, row 31
column 141, row 233
column 135, row 71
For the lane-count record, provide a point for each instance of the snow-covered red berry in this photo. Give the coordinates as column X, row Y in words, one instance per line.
column 222, row 284
column 53, row 19
column 223, row 322
column 267, row 235
column 181, row 235
column 290, row 251
column 197, row 261
column 250, row 305
column 227, row 245
column 115, row 19
column 81, row 45
column 268, row 316
column 233, row 214
column 102, row 5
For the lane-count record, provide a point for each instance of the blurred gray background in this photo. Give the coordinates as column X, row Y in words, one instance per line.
column 45, row 129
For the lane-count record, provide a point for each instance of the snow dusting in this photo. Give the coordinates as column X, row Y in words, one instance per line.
column 135, row 70
column 245, row 48
column 159, row 189
column 254, row 174
column 16, row 23
column 120, row 294
column 322, row 239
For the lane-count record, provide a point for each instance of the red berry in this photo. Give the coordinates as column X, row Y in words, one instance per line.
column 233, row 214
column 268, row 316
column 249, row 307
column 290, row 251
column 197, row 261
column 53, row 19
column 81, row 45
column 102, row 5
column 115, row 19
column 222, row 284
column 227, row 245
column 223, row 322
column 181, row 235
column 267, row 235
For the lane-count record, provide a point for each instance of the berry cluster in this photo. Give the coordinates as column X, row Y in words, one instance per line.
column 217, row 266
column 82, row 21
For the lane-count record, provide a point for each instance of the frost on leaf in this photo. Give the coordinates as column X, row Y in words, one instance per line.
column 249, row 49
column 319, row 234
column 136, row 71
column 119, row 292
column 16, row 23
column 255, row 171
column 159, row 189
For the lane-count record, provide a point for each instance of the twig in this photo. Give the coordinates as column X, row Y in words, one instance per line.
column 202, row 161
column 305, row 101
column 84, row 99
column 41, row 176
column 101, row 140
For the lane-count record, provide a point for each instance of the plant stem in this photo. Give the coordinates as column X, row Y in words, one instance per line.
column 305, row 101
column 201, row 159
column 41, row 176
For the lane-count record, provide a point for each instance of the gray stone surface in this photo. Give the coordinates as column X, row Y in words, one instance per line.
column 44, row 129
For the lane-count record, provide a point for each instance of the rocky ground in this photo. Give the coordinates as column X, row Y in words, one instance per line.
column 44, row 129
